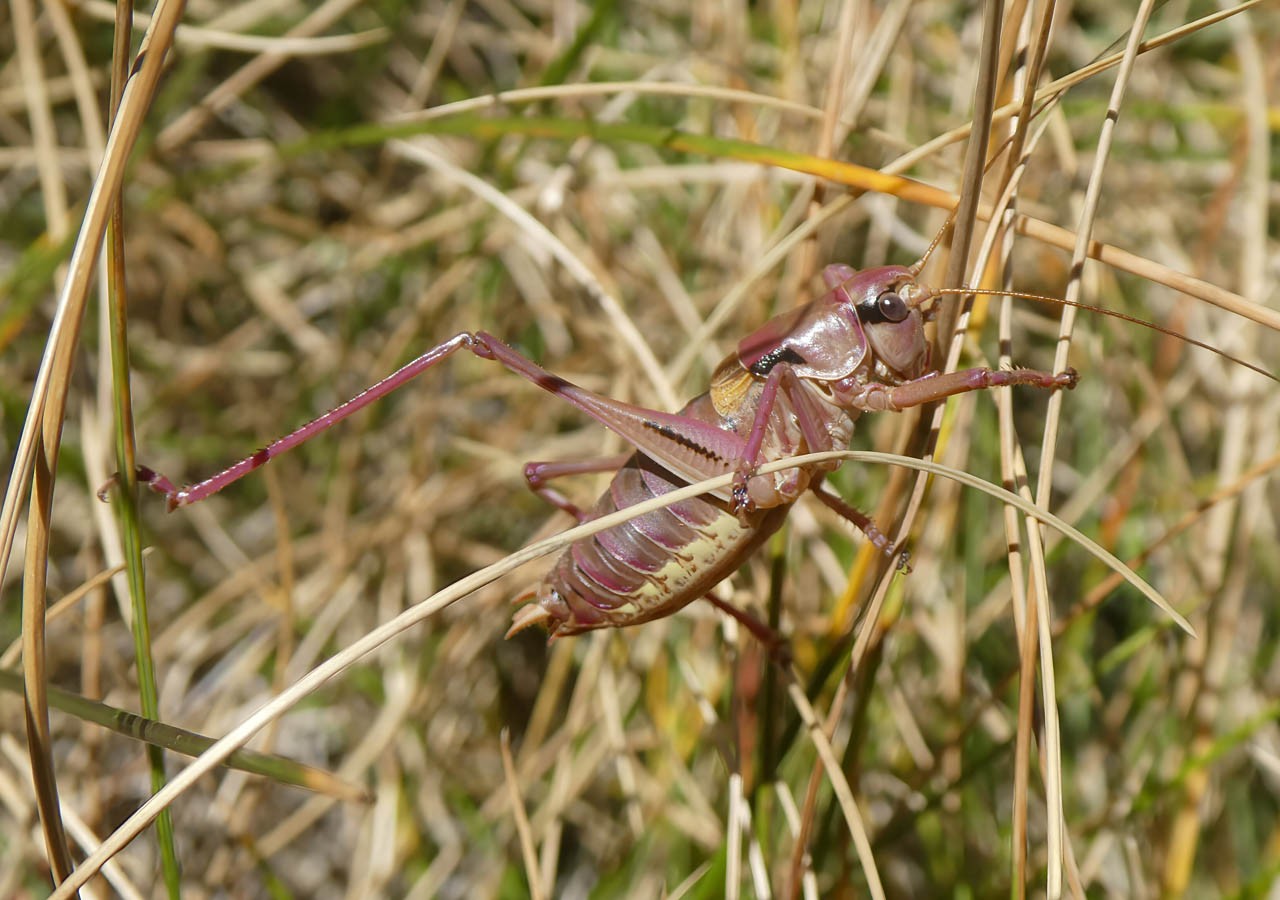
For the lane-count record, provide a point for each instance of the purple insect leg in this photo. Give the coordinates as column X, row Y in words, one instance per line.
column 746, row 464
column 782, row 378
column 691, row 448
column 688, row 447
column 877, row 397
column 861, row 521
column 774, row 643
column 537, row 474
column 199, row 491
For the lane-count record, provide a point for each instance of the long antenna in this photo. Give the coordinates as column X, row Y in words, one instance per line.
column 1115, row 315
column 918, row 267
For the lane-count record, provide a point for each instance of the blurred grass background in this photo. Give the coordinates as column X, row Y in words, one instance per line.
column 277, row 263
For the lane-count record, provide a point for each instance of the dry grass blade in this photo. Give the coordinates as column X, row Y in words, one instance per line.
column 1079, row 76
column 1013, row 466
column 848, row 805
column 1053, row 418
column 336, row 664
column 622, row 192
column 35, row 674
column 527, row 851
column 38, row 447
column 543, row 239
column 1226, row 617
column 189, row 36
column 70, row 309
column 370, row 642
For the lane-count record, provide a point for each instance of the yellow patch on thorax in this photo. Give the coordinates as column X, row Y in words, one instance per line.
column 730, row 385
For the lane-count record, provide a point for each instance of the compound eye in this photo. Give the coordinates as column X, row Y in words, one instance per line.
column 891, row 307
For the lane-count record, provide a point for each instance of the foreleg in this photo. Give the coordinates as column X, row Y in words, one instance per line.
column 876, row 397
column 781, row 381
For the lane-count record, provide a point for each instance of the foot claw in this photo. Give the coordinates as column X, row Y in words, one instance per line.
column 104, row 492
column 148, row 478
column 779, row 652
column 742, row 505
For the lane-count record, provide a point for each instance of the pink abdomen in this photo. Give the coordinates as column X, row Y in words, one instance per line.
column 652, row 565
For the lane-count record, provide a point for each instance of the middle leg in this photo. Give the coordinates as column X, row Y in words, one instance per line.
column 775, row 644
column 861, row 521
column 537, row 474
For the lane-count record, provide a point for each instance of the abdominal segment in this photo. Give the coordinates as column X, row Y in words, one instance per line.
column 652, row 565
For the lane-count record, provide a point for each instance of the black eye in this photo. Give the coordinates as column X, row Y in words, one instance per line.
column 888, row 307
column 891, row 306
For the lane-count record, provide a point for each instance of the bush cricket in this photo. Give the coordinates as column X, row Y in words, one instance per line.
column 795, row 385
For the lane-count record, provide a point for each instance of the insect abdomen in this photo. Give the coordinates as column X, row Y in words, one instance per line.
column 652, row 565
